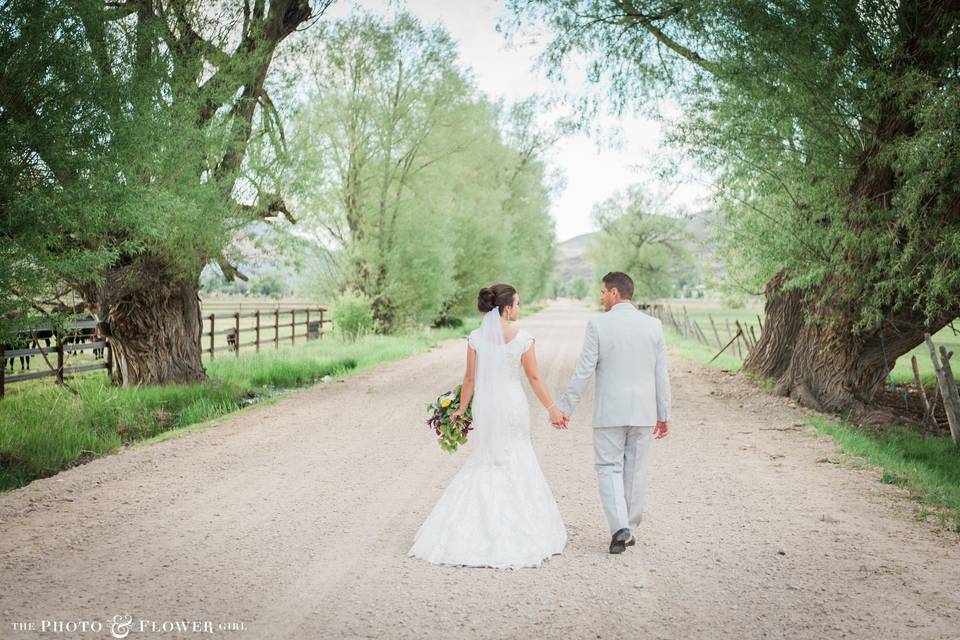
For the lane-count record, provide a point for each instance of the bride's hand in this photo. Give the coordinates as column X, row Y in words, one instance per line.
column 458, row 414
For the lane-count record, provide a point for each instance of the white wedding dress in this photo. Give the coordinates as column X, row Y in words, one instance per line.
column 498, row 510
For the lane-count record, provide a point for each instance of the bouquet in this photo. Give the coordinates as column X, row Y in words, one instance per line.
column 450, row 433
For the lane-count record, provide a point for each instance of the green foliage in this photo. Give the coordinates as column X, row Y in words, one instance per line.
column 269, row 284
column 832, row 130
column 425, row 190
column 125, row 140
column 352, row 315
column 646, row 245
column 579, row 289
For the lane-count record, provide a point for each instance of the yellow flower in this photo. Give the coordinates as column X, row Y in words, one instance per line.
column 446, row 403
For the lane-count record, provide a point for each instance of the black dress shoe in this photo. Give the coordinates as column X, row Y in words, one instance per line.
column 618, row 542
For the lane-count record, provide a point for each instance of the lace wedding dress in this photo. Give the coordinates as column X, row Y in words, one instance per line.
column 498, row 510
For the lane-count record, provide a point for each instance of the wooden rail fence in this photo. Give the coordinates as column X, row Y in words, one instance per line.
column 266, row 326
column 263, row 333
column 740, row 341
column 72, row 342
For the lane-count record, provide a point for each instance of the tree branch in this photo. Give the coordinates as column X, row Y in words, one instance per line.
column 269, row 205
column 119, row 10
column 230, row 272
column 647, row 22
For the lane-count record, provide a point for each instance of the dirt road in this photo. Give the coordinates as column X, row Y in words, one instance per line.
column 294, row 519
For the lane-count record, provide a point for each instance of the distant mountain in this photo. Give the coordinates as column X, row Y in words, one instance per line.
column 572, row 260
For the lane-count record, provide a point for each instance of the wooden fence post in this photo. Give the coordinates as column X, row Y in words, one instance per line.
column 212, row 334
column 927, row 407
column 59, row 359
column 736, row 345
column 732, row 340
column 748, row 333
column 676, row 323
column 236, row 334
column 276, row 328
column 109, row 358
column 308, row 325
column 948, row 387
column 951, row 388
column 743, row 334
column 3, row 372
column 257, row 339
column 701, row 337
column 716, row 334
column 293, row 326
column 321, row 322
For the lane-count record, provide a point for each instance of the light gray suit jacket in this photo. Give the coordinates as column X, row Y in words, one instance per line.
column 628, row 351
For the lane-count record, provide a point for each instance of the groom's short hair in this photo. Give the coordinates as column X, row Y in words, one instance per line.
column 621, row 282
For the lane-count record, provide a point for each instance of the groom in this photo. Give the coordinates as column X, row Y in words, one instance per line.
column 627, row 350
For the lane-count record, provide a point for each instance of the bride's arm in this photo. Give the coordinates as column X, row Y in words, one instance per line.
column 529, row 361
column 469, row 379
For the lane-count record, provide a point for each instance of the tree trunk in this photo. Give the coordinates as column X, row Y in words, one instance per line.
column 770, row 358
column 384, row 308
column 152, row 319
column 821, row 363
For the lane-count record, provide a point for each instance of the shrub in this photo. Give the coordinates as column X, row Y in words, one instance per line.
column 447, row 321
column 352, row 315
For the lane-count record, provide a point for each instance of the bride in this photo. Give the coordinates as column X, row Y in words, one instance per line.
column 498, row 510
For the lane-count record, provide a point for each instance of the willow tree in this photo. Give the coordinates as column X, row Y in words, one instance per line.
column 636, row 238
column 834, row 130
column 378, row 91
column 425, row 189
column 126, row 126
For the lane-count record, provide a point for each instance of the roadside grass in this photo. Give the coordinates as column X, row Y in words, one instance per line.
column 928, row 467
column 45, row 428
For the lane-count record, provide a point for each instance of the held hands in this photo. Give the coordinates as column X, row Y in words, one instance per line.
column 661, row 430
column 558, row 419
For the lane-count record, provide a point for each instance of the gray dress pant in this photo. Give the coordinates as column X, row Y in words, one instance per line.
column 621, row 455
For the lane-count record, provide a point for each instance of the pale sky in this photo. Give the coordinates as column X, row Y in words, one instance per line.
column 592, row 171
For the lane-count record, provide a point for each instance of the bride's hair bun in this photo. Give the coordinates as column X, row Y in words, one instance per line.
column 486, row 301
column 499, row 295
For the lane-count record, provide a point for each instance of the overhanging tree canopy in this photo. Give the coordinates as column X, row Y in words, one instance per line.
column 834, row 129
column 125, row 128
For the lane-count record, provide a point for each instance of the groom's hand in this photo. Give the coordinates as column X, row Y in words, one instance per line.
column 660, row 431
